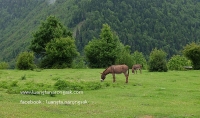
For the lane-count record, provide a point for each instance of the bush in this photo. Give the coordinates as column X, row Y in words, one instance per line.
column 178, row 62
column 23, row 77
column 158, row 61
column 4, row 65
column 192, row 52
column 138, row 58
column 65, row 85
column 4, row 84
column 79, row 62
column 14, row 84
column 25, row 61
column 62, row 85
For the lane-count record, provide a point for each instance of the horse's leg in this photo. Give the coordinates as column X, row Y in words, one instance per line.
column 126, row 75
column 140, row 71
column 127, row 79
column 113, row 77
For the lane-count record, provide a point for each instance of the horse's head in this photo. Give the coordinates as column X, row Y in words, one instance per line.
column 103, row 76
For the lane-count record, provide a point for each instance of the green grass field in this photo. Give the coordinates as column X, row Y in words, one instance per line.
column 173, row 94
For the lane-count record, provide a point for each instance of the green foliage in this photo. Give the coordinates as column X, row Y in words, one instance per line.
column 178, row 62
column 49, row 30
column 102, row 52
column 144, row 25
column 79, row 62
column 13, row 84
column 157, row 61
column 165, row 91
column 54, row 44
column 4, row 65
column 124, row 56
column 60, row 53
column 66, row 85
column 23, row 77
column 25, row 61
column 62, row 85
column 192, row 52
column 138, row 58
column 4, row 84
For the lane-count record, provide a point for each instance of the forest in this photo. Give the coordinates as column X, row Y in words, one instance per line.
column 143, row 25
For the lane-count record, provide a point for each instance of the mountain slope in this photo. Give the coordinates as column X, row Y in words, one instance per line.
column 142, row 24
column 23, row 18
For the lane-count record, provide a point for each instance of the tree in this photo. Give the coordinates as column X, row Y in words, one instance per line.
column 60, row 53
column 157, row 61
column 124, row 56
column 53, row 44
column 192, row 52
column 49, row 30
column 25, row 61
column 138, row 58
column 102, row 52
column 178, row 62
column 79, row 62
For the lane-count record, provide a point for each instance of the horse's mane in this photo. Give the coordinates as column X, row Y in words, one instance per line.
column 106, row 69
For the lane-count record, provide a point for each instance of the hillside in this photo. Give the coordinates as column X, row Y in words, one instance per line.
column 142, row 24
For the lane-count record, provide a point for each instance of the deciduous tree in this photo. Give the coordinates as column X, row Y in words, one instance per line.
column 102, row 52
column 54, row 44
column 49, row 30
column 138, row 58
column 60, row 53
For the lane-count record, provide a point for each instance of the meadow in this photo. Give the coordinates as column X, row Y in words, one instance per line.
column 72, row 93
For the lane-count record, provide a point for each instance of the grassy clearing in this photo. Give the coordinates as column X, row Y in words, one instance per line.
column 173, row 94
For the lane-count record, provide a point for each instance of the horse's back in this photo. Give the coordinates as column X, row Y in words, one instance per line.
column 137, row 66
column 119, row 68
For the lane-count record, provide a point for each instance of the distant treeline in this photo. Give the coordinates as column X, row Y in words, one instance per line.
column 143, row 24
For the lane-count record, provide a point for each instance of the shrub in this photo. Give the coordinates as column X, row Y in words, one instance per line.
column 4, row 65
column 178, row 62
column 158, row 61
column 4, row 84
column 65, row 85
column 79, row 62
column 62, row 85
column 138, row 58
column 25, row 61
column 23, row 77
column 124, row 56
column 14, row 84
column 192, row 52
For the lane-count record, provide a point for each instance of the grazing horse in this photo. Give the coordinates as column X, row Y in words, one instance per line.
column 136, row 67
column 115, row 69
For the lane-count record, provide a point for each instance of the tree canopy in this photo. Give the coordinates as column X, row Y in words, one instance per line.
column 102, row 52
column 49, row 30
column 54, row 45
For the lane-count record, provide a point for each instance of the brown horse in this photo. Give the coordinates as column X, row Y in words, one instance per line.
column 116, row 69
column 136, row 67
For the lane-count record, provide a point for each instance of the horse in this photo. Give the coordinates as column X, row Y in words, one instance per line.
column 137, row 67
column 116, row 69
